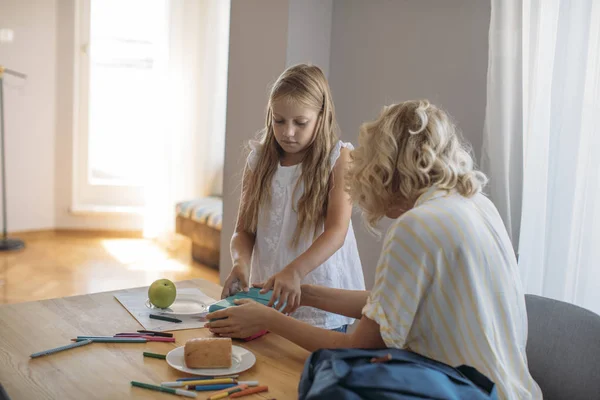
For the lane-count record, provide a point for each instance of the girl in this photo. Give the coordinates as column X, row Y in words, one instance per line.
column 447, row 285
column 294, row 223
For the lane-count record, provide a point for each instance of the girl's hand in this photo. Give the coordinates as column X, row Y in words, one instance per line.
column 286, row 289
column 236, row 281
column 245, row 320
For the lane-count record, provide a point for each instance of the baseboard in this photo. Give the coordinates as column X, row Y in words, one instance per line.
column 126, row 234
column 117, row 234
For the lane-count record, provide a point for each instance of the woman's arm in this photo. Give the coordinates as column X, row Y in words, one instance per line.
column 241, row 247
column 286, row 284
column 338, row 301
column 249, row 317
column 366, row 335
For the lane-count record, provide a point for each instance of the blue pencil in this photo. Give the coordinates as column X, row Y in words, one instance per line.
column 208, row 388
column 57, row 349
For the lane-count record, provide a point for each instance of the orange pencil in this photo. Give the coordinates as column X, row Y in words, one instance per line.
column 246, row 392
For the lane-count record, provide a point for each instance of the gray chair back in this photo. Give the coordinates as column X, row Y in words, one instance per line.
column 563, row 349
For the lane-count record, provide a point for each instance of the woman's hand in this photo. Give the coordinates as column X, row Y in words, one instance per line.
column 243, row 321
column 236, row 281
column 286, row 289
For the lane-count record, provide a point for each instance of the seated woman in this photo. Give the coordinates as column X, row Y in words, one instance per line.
column 446, row 285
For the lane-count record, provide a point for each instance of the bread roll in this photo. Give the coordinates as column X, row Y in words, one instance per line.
column 208, row 353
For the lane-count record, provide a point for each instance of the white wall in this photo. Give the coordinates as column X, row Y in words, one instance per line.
column 257, row 55
column 309, row 33
column 389, row 51
column 30, row 112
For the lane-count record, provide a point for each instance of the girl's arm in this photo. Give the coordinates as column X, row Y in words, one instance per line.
column 241, row 247
column 286, row 284
column 344, row 302
column 339, row 212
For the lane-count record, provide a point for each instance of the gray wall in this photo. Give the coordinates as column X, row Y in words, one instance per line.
column 257, row 55
column 309, row 33
column 378, row 52
column 389, row 51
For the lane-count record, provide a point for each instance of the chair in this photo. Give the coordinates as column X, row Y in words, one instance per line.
column 563, row 349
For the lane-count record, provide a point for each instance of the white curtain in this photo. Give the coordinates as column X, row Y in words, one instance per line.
column 502, row 152
column 187, row 143
column 560, row 228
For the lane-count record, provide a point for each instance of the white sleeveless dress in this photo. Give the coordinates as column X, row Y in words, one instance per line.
column 273, row 252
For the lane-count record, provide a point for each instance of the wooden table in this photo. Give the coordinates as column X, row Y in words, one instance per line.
column 104, row 371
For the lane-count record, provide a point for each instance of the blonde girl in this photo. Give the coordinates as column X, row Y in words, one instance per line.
column 294, row 222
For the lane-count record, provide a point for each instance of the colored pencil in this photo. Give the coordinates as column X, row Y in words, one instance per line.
column 154, row 355
column 135, row 334
column 248, row 383
column 61, row 348
column 258, row 389
column 209, row 388
column 164, row 389
column 155, row 333
column 159, row 339
column 204, row 378
column 112, row 340
column 163, row 318
column 231, row 390
column 199, row 382
column 150, row 338
column 130, row 338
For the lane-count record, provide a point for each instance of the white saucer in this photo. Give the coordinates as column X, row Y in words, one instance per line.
column 185, row 304
column 241, row 360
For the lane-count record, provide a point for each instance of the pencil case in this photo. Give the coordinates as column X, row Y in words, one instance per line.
column 253, row 294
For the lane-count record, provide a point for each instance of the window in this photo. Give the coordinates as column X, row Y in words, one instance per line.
column 122, row 54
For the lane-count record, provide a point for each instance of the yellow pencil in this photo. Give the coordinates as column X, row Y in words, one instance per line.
column 228, row 391
column 218, row 396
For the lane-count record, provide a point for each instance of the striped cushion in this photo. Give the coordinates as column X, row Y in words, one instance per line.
column 208, row 210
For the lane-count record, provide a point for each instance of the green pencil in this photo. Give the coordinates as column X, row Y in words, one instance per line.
column 180, row 392
column 154, row 355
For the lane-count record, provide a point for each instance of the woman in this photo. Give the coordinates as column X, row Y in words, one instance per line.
column 446, row 285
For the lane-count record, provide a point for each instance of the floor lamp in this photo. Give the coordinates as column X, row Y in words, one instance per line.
column 6, row 243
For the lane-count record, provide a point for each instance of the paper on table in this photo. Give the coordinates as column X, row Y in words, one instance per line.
column 135, row 303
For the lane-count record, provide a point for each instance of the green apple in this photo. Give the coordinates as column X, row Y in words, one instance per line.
column 162, row 293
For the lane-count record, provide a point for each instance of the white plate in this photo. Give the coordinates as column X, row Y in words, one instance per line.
column 241, row 360
column 185, row 304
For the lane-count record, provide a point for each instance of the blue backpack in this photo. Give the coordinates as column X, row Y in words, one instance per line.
column 349, row 374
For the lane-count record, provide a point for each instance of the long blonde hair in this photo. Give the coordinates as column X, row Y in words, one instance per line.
column 306, row 85
column 411, row 147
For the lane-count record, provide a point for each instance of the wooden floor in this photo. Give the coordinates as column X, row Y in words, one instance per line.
column 58, row 264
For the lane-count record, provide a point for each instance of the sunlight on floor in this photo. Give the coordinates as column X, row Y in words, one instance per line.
column 142, row 256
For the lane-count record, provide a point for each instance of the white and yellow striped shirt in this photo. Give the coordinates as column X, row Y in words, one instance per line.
column 447, row 287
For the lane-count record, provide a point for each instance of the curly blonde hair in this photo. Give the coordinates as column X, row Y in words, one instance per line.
column 411, row 147
column 305, row 85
